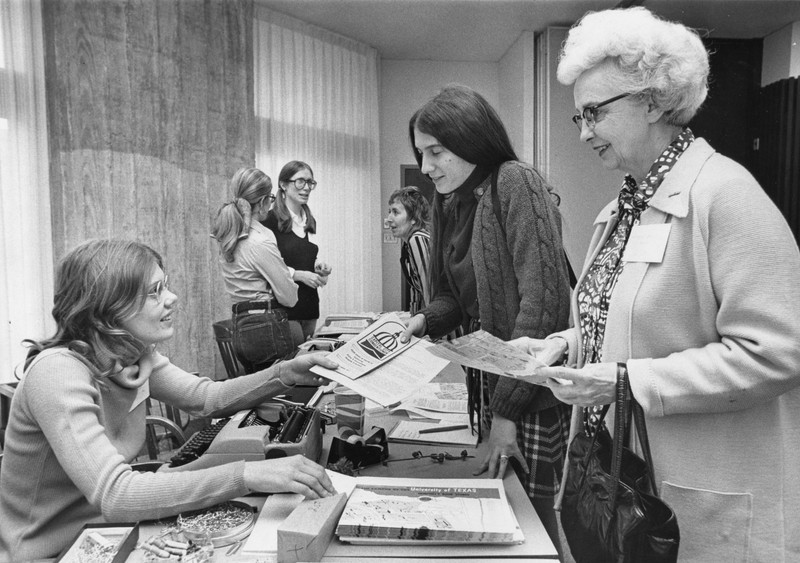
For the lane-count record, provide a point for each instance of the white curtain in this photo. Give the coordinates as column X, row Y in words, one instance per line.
column 316, row 100
column 26, row 251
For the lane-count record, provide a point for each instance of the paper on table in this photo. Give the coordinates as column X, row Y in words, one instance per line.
column 263, row 540
column 395, row 380
column 376, row 345
column 439, row 397
column 408, row 431
column 481, row 350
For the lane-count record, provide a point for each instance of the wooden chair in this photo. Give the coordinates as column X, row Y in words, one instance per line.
column 223, row 333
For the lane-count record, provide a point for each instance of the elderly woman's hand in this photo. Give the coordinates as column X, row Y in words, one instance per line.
column 295, row 474
column 592, row 385
column 296, row 371
column 548, row 351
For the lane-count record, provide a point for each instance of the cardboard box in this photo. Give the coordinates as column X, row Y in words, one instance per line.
column 116, row 540
column 306, row 533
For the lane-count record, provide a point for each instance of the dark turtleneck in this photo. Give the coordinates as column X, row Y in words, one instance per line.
column 452, row 274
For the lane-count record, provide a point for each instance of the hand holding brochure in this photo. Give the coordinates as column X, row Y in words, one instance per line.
column 376, row 345
column 480, row 350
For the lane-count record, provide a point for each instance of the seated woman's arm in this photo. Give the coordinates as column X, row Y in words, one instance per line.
column 61, row 398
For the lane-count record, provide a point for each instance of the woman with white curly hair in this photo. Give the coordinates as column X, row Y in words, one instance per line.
column 690, row 286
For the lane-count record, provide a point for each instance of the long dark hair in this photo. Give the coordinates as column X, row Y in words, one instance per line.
column 99, row 284
column 465, row 124
column 280, row 209
column 250, row 187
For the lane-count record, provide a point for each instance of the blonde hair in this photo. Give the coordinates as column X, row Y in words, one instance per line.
column 654, row 58
column 99, row 284
column 249, row 187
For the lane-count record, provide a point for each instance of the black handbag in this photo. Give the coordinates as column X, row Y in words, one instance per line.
column 611, row 510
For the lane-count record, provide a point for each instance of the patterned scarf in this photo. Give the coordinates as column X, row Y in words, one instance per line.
column 594, row 293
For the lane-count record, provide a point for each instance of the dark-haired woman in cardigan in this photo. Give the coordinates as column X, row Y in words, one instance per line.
column 497, row 263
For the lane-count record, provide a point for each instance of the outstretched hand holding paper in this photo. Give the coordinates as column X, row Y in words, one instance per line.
column 480, row 350
column 376, row 345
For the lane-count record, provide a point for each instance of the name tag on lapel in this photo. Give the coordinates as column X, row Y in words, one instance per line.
column 647, row 243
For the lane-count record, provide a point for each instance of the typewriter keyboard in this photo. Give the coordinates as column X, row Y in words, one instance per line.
column 197, row 444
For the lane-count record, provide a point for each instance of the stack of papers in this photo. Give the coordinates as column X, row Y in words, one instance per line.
column 345, row 324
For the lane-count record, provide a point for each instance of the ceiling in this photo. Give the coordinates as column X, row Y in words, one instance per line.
column 483, row 30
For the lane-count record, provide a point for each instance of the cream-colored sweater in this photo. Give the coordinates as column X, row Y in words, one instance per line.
column 69, row 441
column 711, row 337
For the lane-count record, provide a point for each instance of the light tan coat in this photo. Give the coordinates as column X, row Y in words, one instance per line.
column 711, row 337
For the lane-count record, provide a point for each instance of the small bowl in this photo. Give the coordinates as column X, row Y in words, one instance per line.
column 220, row 533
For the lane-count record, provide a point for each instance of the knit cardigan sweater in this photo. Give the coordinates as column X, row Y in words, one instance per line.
column 70, row 439
column 711, row 337
column 521, row 275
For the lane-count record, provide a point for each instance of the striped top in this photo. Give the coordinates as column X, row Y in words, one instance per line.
column 415, row 260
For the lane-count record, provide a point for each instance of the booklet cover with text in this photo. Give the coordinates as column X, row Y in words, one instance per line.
column 429, row 510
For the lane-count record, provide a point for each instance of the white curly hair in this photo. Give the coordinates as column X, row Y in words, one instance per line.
column 655, row 58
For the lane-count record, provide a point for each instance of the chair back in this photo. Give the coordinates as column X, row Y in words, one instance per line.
column 223, row 333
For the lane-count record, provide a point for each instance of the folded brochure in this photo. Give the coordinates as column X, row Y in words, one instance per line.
column 480, row 350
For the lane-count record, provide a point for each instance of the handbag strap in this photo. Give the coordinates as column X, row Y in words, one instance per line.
column 626, row 408
column 621, row 425
column 644, row 442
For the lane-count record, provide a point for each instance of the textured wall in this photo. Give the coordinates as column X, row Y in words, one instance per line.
column 150, row 111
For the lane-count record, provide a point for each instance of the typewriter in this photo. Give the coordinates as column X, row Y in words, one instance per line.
column 254, row 434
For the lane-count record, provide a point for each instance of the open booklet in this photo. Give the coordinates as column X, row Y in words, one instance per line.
column 447, row 511
column 480, row 350
column 376, row 365
column 376, row 345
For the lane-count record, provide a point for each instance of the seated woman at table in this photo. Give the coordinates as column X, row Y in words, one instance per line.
column 78, row 416
column 256, row 277
column 409, row 219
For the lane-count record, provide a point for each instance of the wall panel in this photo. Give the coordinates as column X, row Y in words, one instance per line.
column 150, row 112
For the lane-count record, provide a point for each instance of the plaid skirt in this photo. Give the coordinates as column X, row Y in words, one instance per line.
column 542, row 437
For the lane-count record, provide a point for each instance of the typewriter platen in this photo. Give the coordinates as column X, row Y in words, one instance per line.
column 253, row 434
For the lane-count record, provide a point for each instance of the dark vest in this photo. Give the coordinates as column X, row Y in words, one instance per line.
column 300, row 254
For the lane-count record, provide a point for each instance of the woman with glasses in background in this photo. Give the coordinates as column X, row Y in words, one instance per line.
column 78, row 416
column 293, row 224
column 256, row 277
column 690, row 286
column 409, row 217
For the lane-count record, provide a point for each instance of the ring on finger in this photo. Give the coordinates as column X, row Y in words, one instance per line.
column 503, row 457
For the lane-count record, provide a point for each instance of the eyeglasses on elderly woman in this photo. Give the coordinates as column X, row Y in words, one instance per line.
column 589, row 113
